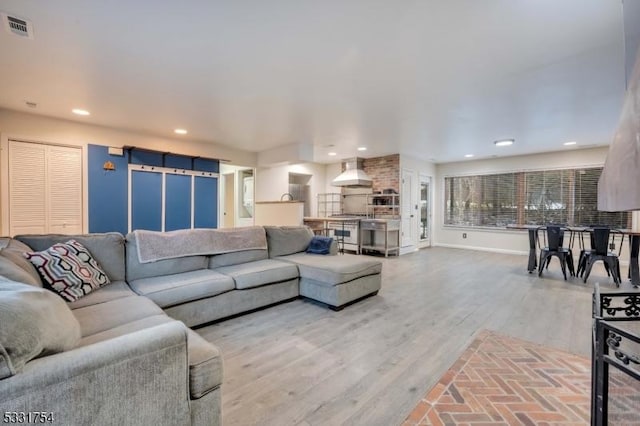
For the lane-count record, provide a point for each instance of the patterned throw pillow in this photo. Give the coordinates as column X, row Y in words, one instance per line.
column 69, row 269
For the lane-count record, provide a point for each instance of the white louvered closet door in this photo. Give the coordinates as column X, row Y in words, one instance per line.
column 64, row 189
column 45, row 189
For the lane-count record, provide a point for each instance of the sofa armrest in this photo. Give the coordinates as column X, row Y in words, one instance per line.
column 333, row 250
column 138, row 378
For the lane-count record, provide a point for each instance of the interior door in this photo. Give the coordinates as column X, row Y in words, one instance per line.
column 27, row 188
column 45, row 188
column 146, row 200
column 205, row 202
column 408, row 216
column 177, row 202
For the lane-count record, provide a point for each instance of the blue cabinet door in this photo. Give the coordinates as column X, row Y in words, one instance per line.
column 205, row 200
column 146, row 200
column 177, row 210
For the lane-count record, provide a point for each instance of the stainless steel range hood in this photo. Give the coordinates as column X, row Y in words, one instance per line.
column 354, row 175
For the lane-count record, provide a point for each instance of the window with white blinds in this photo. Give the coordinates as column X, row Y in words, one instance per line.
column 567, row 196
column 45, row 188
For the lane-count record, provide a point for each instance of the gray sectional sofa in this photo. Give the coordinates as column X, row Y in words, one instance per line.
column 136, row 361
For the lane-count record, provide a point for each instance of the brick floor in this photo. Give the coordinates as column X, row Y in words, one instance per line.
column 501, row 380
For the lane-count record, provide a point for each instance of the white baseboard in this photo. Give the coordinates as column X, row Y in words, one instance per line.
column 489, row 249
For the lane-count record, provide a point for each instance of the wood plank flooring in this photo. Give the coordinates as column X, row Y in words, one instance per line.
column 302, row 364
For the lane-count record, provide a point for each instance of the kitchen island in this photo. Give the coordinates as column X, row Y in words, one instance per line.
column 381, row 235
column 279, row 213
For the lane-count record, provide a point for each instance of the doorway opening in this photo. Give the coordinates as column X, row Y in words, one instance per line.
column 425, row 211
column 300, row 190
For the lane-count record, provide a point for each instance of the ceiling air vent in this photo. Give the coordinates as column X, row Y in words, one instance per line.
column 17, row 26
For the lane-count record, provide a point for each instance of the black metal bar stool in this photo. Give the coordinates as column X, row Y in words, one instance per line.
column 554, row 238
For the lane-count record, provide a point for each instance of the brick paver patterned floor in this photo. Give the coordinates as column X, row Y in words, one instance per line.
column 501, row 380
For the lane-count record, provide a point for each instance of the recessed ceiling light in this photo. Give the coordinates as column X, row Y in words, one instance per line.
column 570, row 143
column 468, row 155
column 180, row 131
column 504, row 142
column 332, row 154
column 79, row 111
column 362, row 148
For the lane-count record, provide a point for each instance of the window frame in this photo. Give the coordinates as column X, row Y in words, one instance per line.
column 520, row 214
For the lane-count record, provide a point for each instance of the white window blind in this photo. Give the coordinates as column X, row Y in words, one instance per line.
column 567, row 196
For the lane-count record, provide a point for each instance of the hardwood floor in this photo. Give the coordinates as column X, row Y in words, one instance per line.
column 302, row 364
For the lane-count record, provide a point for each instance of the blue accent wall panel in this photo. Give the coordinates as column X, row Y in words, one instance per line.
column 107, row 191
column 205, row 202
column 177, row 161
column 206, row 165
column 177, row 202
column 146, row 200
column 146, row 158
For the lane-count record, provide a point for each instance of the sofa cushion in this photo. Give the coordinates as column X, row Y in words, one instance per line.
column 285, row 240
column 13, row 272
column 69, row 269
column 205, row 362
column 104, row 316
column 260, row 272
column 169, row 290
column 228, row 259
column 33, row 322
column 107, row 249
column 333, row 270
column 13, row 244
column 14, row 250
column 130, row 327
column 115, row 290
column 137, row 270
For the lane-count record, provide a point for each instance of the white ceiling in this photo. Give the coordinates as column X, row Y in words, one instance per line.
column 436, row 79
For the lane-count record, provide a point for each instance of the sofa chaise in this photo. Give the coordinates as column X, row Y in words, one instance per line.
column 135, row 359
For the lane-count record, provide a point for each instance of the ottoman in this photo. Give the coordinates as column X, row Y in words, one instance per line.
column 337, row 280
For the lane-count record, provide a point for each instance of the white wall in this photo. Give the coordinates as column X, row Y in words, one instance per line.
column 273, row 182
column 31, row 127
column 332, row 170
column 501, row 240
column 40, row 128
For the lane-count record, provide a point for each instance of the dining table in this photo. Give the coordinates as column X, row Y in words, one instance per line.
column 634, row 245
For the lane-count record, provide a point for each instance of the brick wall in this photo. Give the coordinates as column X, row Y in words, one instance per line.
column 385, row 172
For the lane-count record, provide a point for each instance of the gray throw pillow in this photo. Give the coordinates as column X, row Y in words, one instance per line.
column 35, row 322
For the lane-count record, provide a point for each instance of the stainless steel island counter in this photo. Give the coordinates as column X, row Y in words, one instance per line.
column 381, row 235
